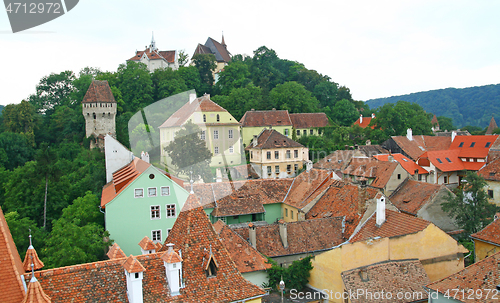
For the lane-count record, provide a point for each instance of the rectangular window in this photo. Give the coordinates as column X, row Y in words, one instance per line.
column 277, row 169
column 286, row 212
column 289, row 168
column 488, row 144
column 231, row 149
column 268, row 155
column 295, row 167
column 296, row 153
column 445, row 180
column 472, row 144
column 216, row 150
column 165, row 190
column 269, row 169
column 311, row 131
column 286, row 132
column 251, row 154
column 439, row 160
column 155, row 212
column 170, row 210
column 276, row 155
column 298, row 132
column 399, row 176
column 202, row 135
column 291, row 214
column 461, row 144
column 139, row 192
column 448, row 159
column 419, row 177
column 490, row 193
column 305, row 132
column 156, row 235
column 204, row 118
column 152, row 192
column 216, row 134
column 230, row 134
column 288, row 154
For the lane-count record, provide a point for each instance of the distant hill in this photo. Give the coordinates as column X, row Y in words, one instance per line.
column 466, row 106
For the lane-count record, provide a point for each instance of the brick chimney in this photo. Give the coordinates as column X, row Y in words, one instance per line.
column 252, row 234
column 380, row 211
column 453, row 135
column 283, row 233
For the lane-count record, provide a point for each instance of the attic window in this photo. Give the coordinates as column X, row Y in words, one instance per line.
column 492, row 173
column 439, row 160
column 448, row 159
column 461, row 144
column 488, row 144
column 472, row 144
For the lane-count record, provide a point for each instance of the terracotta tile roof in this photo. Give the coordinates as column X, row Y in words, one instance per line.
column 490, row 233
column 409, row 165
column 98, row 92
column 370, row 150
column 171, row 256
column 11, row 266
column 473, row 146
column 147, row 244
column 168, row 56
column 402, row 276
column 421, row 144
column 201, row 104
column 121, row 178
column 338, row 160
column 221, row 54
column 411, row 195
column 258, row 118
column 270, row 138
column 340, row 200
column 35, row 293
column 302, row 236
column 132, row 265
column 245, row 257
column 366, row 121
column 371, row 168
column 237, row 204
column 306, row 186
column 492, row 126
column 491, row 171
column 481, row 275
column 309, row 120
column 435, row 120
column 194, row 233
column 396, row 224
column 243, row 171
column 31, row 257
column 115, row 252
column 440, row 160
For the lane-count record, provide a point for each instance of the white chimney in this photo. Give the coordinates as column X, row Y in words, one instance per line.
column 360, row 118
column 380, row 211
column 192, row 97
column 453, row 135
column 145, row 157
column 254, row 141
column 409, row 134
column 173, row 269
column 373, row 115
column 252, row 234
column 134, row 274
column 309, row 165
column 283, row 233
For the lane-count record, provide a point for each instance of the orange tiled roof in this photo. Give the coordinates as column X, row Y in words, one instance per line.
column 35, row 293
column 490, row 233
column 473, row 146
column 171, row 256
column 481, row 275
column 340, row 200
column 11, row 266
column 371, row 168
column 132, row 265
column 270, row 138
column 32, row 257
column 235, row 204
column 396, row 224
column 245, row 257
column 305, row 187
column 435, row 121
column 491, row 171
column 403, row 276
column 421, row 144
column 309, row 120
column 409, row 165
column 366, row 121
column 302, row 236
column 99, row 92
column 338, row 160
column 445, row 160
column 147, row 244
column 168, row 56
column 115, row 252
column 256, row 118
column 411, row 195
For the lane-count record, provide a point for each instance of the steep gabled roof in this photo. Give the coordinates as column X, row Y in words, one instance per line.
column 473, row 146
column 233, row 205
column 421, row 144
column 245, row 257
column 115, row 252
column 490, row 233
column 395, row 225
column 435, row 121
column 147, row 244
column 132, row 265
column 371, row 168
column 270, row 139
column 491, row 171
column 99, row 92
column 446, row 160
column 492, row 126
column 480, row 275
column 365, row 123
column 31, row 257
column 305, row 186
column 402, row 276
column 409, row 165
column 411, row 195
column 263, row 118
column 309, row 120
column 35, row 293
column 220, row 51
column 338, row 160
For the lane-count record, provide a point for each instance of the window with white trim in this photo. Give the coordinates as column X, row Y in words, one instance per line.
column 170, row 210
column 231, row 149
column 286, row 132
column 139, row 192
column 288, row 154
column 295, row 153
column 269, row 169
column 216, row 134
column 155, row 212
column 269, row 155
column 165, row 190
column 277, row 169
column 156, row 235
column 202, row 135
column 151, row 191
column 230, row 134
column 216, row 150
column 276, row 155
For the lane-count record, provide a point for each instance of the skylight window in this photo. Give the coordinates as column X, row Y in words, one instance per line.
column 472, row 144
column 439, row 160
column 461, row 144
column 488, row 144
column 448, row 159
column 405, row 160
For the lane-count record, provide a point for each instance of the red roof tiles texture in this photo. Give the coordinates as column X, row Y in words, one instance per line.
column 131, row 265
column 491, row 171
column 411, row 195
column 169, row 56
column 365, row 123
column 309, row 120
column 409, row 165
column 421, row 144
column 99, row 92
column 492, row 126
column 31, row 257
column 473, row 146
column 490, row 233
column 265, row 118
column 371, row 168
column 147, row 244
column 115, row 252
column 35, row 293
column 270, row 139
column 305, row 186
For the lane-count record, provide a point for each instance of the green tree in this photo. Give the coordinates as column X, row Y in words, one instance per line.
column 183, row 58
column 206, row 64
column 17, row 148
column 53, row 90
column 136, row 86
column 241, row 100
column 296, row 276
column 445, row 123
column 469, row 206
column 235, row 75
column 395, row 119
column 20, row 118
column 20, row 228
column 344, row 113
column 189, row 153
column 294, row 97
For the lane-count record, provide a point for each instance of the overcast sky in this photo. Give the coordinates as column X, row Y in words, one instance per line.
column 376, row 48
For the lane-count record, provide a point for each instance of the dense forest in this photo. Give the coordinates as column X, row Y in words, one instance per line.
column 465, row 106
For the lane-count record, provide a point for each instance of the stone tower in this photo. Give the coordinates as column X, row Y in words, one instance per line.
column 99, row 110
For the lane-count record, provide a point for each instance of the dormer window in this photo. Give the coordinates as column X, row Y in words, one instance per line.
column 212, row 269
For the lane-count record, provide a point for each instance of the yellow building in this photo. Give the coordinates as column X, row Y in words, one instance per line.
column 397, row 236
column 487, row 241
column 491, row 174
column 219, row 129
column 273, row 155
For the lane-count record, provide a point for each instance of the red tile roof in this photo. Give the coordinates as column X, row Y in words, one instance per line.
column 394, row 277
column 132, row 265
column 35, row 293
column 302, row 236
column 440, row 160
column 147, row 244
column 238, row 204
column 31, row 257
column 305, row 187
column 338, row 160
column 492, row 126
column 435, row 121
column 473, row 146
column 491, row 171
column 115, row 252
column 245, row 257
column 371, row 168
column 171, row 256
column 490, row 233
column 482, row 275
column 421, row 144
column 256, row 118
column 270, row 139
column 11, row 266
column 366, row 121
column 169, row 56
column 409, row 165
column 309, row 120
column 411, row 195
column 395, row 225
column 99, row 92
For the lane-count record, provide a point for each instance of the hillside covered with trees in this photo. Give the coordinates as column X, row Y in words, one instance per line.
column 465, row 106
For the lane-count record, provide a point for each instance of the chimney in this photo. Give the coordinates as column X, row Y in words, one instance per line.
column 252, row 235
column 390, row 158
column 409, row 134
column 134, row 273
column 415, row 175
column 283, row 233
column 173, row 269
column 192, row 97
column 380, row 211
column 145, row 157
column 309, row 165
column 360, row 118
column 254, row 141
column 453, row 135
column 373, row 116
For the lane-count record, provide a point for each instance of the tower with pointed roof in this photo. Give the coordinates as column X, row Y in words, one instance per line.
column 491, row 127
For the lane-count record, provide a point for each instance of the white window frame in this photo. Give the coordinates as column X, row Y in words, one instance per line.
column 202, row 135
column 230, row 134
column 155, row 211
column 277, row 169
column 168, row 188
column 231, row 149
column 216, row 150
column 156, row 192
column 288, row 154
column 286, row 132
column 167, row 210
column 139, row 196
column 216, row 134
column 269, row 169
column 295, row 153
column 153, row 237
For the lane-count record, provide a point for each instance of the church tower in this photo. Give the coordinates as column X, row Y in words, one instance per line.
column 99, row 110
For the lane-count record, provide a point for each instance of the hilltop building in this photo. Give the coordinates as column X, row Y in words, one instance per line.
column 491, row 174
column 219, row 50
column 155, row 59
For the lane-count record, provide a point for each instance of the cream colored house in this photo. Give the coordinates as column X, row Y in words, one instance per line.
column 491, row 174
column 219, row 129
column 155, row 59
column 273, row 155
